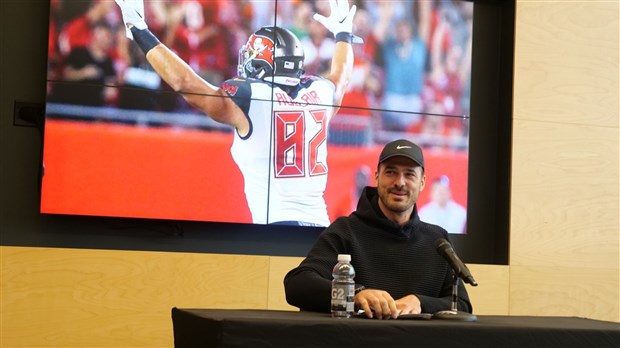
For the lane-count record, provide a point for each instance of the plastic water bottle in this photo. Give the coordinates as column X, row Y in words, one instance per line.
column 343, row 288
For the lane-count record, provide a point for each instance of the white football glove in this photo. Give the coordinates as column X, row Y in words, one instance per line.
column 340, row 19
column 133, row 13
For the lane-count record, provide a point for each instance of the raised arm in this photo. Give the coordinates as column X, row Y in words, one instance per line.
column 340, row 23
column 341, row 69
column 208, row 98
column 195, row 90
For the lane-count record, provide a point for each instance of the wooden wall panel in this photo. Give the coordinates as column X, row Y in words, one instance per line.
column 566, row 62
column 278, row 267
column 490, row 297
column 565, row 230
column 562, row 291
column 565, row 199
column 102, row 298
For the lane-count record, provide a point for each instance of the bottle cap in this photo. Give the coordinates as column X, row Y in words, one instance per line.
column 344, row 258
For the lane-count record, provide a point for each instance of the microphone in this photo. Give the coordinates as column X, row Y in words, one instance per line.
column 445, row 249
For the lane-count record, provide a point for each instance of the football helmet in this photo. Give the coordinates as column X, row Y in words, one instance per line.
column 273, row 54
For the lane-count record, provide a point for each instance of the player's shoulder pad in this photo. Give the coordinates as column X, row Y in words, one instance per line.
column 237, row 87
column 240, row 91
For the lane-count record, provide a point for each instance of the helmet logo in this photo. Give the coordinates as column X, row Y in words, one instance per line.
column 262, row 48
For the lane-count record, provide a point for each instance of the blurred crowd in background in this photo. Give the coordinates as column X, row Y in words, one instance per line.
column 411, row 75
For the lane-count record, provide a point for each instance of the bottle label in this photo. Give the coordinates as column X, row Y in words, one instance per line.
column 342, row 297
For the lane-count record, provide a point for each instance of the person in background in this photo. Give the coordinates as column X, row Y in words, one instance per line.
column 404, row 63
column 442, row 210
column 88, row 71
column 398, row 270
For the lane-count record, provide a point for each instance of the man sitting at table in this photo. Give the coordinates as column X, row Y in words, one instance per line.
column 398, row 270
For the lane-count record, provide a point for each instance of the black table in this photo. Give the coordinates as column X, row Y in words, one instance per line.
column 267, row 328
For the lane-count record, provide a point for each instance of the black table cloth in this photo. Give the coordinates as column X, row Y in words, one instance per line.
column 267, row 328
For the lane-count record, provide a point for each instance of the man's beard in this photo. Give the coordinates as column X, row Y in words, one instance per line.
column 395, row 207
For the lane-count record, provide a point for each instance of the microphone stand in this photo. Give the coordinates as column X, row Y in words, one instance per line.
column 454, row 313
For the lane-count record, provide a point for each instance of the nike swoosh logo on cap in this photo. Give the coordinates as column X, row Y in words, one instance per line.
column 402, row 147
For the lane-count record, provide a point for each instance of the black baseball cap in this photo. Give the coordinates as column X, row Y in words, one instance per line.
column 404, row 148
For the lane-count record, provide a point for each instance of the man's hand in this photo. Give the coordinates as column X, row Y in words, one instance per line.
column 340, row 19
column 377, row 303
column 133, row 15
column 409, row 304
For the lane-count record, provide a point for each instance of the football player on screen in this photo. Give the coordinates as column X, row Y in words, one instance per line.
column 280, row 146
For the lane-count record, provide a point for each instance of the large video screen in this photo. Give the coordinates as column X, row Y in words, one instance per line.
column 129, row 134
